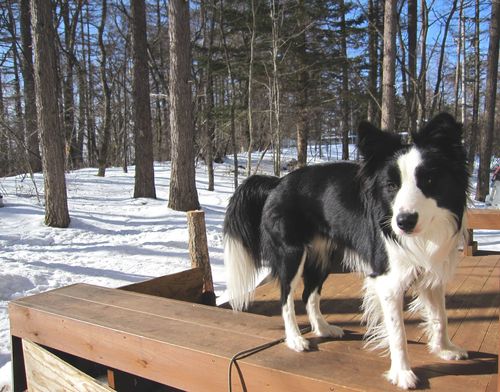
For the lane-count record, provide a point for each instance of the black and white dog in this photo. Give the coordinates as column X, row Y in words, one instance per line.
column 397, row 217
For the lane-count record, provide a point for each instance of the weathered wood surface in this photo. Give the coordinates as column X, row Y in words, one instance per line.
column 185, row 285
column 45, row 372
column 189, row 346
column 488, row 219
column 198, row 247
column 473, row 300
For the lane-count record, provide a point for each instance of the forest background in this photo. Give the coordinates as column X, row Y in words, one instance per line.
column 260, row 76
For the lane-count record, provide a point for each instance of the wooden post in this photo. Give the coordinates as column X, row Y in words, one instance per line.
column 198, row 251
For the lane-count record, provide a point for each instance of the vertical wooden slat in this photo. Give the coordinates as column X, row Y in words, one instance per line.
column 198, row 251
column 45, row 372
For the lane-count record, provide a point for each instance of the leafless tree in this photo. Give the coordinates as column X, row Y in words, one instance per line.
column 144, row 169
column 183, row 195
column 489, row 104
column 49, row 124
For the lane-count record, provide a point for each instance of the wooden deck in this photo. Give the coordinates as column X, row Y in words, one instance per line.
column 472, row 301
column 189, row 346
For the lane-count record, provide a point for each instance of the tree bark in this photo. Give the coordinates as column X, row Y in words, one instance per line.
column 302, row 126
column 51, row 133
column 102, row 159
column 30, row 126
column 373, row 104
column 89, row 115
column 345, row 84
column 144, row 167
column 489, row 105
column 474, row 129
column 250, row 91
column 70, row 25
column 231, row 94
column 436, row 95
column 198, row 252
column 422, row 77
column 18, row 124
column 275, row 116
column 412, row 64
column 209, row 127
column 389, row 67
column 183, row 195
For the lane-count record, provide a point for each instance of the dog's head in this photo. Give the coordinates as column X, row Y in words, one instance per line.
column 422, row 184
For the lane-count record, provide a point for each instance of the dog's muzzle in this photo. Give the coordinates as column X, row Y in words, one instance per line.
column 407, row 221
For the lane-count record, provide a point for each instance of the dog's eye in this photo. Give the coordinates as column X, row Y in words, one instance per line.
column 391, row 187
column 428, row 180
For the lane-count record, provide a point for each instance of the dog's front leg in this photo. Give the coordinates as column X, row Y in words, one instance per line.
column 432, row 301
column 390, row 293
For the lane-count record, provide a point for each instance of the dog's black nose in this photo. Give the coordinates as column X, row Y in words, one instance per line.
column 407, row 221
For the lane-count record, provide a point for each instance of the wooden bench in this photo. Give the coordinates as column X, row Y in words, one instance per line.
column 175, row 343
column 486, row 219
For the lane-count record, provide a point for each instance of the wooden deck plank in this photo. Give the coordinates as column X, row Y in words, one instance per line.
column 482, row 309
column 159, row 347
column 472, row 301
column 198, row 314
column 167, row 340
column 464, row 270
column 483, row 219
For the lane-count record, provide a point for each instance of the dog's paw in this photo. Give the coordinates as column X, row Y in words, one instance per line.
column 404, row 379
column 328, row 331
column 297, row 343
column 451, row 353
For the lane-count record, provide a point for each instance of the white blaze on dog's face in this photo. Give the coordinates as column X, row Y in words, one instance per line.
column 413, row 211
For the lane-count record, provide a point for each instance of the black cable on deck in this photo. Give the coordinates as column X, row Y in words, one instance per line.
column 250, row 351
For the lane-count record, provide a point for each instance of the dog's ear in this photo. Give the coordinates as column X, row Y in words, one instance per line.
column 374, row 143
column 442, row 130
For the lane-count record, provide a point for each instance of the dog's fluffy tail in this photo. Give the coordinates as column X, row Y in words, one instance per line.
column 242, row 256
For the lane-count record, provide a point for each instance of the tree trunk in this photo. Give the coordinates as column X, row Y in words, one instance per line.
column 422, row 77
column 5, row 144
column 250, row 91
column 51, row 133
column 183, row 195
column 102, row 159
column 458, row 65
column 302, row 126
column 82, row 100
column 412, row 64
column 439, row 73
column 30, row 126
column 489, row 105
column 464, row 67
column 474, row 129
column 89, row 115
column 345, row 84
column 389, row 67
column 198, row 252
column 209, row 128
column 68, row 94
column 18, row 127
column 275, row 116
column 144, row 168
column 232, row 96
column 373, row 104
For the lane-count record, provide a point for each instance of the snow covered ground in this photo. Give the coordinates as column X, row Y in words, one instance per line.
column 113, row 239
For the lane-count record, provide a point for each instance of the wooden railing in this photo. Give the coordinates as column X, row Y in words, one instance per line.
column 486, row 219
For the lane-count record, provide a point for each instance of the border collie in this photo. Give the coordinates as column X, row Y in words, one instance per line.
column 397, row 217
